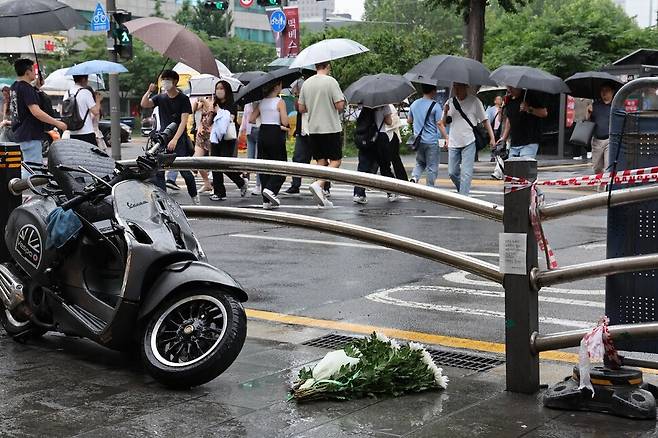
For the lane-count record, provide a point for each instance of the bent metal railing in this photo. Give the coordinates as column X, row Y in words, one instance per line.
column 411, row 246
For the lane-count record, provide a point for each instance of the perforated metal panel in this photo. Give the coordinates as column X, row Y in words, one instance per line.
column 632, row 229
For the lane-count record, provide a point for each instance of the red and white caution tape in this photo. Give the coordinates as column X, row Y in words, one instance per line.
column 631, row 176
column 540, row 237
column 596, row 345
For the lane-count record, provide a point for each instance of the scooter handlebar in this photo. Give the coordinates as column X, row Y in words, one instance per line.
column 18, row 186
column 161, row 139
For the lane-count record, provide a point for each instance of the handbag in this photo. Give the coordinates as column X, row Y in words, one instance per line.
column 583, row 133
column 480, row 131
column 231, row 132
column 414, row 140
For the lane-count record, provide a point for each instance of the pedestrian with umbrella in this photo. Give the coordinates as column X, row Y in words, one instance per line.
column 374, row 126
column 81, row 107
column 28, row 104
column 173, row 107
column 321, row 101
column 600, row 87
column 274, row 126
column 525, row 109
column 463, row 112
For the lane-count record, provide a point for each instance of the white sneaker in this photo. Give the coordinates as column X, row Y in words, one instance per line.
column 318, row 194
column 244, row 188
column 360, row 200
column 269, row 206
column 270, row 196
column 196, row 200
column 256, row 191
column 578, row 158
column 589, row 155
column 393, row 197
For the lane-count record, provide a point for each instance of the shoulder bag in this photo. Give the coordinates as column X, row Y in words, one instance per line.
column 479, row 130
column 414, row 140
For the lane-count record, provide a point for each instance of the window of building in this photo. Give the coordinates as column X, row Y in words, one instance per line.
column 261, row 36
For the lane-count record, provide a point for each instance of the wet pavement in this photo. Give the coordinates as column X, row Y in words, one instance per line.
column 64, row 387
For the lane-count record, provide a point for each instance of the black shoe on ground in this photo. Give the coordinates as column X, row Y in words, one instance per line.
column 291, row 191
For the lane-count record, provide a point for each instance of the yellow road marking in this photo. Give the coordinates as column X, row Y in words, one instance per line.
column 426, row 338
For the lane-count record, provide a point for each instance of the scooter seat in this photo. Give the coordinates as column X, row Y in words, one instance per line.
column 74, row 153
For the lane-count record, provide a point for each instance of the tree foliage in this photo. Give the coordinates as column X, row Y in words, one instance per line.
column 194, row 17
column 564, row 36
column 157, row 9
column 391, row 51
column 418, row 14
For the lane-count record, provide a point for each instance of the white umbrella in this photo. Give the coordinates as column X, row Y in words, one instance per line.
column 181, row 68
column 204, row 85
column 60, row 81
column 328, row 50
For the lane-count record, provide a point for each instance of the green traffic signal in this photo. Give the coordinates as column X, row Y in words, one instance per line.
column 216, row 5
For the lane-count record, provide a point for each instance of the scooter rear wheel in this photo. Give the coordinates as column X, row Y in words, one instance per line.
column 193, row 337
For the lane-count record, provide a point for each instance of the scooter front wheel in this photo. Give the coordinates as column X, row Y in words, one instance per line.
column 193, row 337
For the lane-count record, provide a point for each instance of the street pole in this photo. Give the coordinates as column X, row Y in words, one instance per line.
column 115, row 128
column 324, row 19
column 561, row 127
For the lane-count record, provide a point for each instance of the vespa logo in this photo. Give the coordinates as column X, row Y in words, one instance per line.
column 136, row 204
column 28, row 245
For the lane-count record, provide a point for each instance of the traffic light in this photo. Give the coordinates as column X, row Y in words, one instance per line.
column 268, row 3
column 123, row 40
column 215, row 6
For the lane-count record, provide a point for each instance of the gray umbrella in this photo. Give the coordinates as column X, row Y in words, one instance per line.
column 254, row 91
column 377, row 90
column 529, row 78
column 588, row 84
column 27, row 17
column 442, row 70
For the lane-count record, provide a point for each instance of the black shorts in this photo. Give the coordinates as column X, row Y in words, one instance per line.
column 326, row 146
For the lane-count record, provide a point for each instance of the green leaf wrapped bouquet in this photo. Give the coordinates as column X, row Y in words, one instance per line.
column 371, row 366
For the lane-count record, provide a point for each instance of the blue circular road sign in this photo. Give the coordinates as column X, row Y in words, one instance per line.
column 278, row 21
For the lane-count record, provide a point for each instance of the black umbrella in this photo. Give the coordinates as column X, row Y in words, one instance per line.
column 588, row 84
column 254, row 91
column 442, row 70
column 377, row 90
column 529, row 78
column 27, row 17
column 248, row 76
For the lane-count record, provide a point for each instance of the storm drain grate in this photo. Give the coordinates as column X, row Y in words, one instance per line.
column 468, row 361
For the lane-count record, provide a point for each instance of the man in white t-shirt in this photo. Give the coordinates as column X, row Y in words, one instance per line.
column 461, row 142
column 89, row 106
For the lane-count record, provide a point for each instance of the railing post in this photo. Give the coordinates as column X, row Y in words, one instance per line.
column 521, row 300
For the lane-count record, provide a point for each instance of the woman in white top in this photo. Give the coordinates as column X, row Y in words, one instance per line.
column 461, row 142
column 271, row 139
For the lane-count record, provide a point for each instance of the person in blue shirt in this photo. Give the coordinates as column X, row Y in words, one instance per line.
column 427, row 154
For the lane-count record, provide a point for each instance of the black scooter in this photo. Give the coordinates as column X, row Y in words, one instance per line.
column 133, row 274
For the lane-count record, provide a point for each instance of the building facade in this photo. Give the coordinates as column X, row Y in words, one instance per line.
column 251, row 23
column 139, row 8
column 643, row 11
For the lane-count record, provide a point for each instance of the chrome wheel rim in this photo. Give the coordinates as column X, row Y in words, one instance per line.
column 189, row 331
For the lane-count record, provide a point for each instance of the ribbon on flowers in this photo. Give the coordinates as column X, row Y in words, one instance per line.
column 631, row 176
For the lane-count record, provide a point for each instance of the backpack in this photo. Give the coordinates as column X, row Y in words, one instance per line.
column 70, row 113
column 366, row 130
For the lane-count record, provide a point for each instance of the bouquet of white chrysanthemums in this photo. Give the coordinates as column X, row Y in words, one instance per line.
column 367, row 367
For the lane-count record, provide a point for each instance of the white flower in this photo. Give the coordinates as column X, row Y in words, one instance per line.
column 307, row 384
column 416, row 346
column 331, row 364
column 443, row 381
column 394, row 344
column 382, row 337
column 427, row 359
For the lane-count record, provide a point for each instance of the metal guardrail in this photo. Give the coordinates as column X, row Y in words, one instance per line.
column 617, row 197
column 572, row 338
column 597, row 268
column 411, row 246
column 478, row 207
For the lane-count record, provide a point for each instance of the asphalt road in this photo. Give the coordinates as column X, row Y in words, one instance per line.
column 306, row 273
